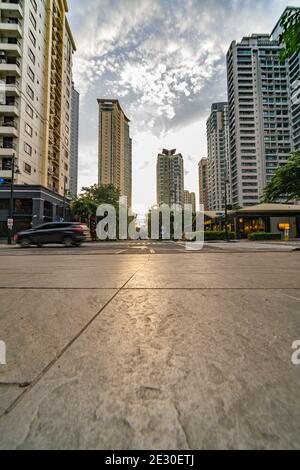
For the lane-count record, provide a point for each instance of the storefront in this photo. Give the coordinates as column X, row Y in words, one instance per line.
column 33, row 205
column 269, row 218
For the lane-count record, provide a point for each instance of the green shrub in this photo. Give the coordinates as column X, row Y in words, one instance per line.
column 264, row 236
column 221, row 235
column 218, row 235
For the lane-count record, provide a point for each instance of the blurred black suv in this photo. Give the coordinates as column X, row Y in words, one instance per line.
column 66, row 233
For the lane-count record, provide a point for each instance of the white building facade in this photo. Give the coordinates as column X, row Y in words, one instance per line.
column 259, row 121
column 36, row 47
column 217, row 156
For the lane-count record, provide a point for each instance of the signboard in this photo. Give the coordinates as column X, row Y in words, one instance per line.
column 220, row 214
column 284, row 227
column 2, row 181
column 10, row 223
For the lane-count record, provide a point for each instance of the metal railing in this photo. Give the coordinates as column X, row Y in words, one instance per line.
column 5, row 40
column 10, row 21
column 9, row 61
column 7, row 145
column 8, row 124
column 13, row 103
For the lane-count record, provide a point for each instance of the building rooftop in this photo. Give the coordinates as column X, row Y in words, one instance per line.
column 113, row 101
column 269, row 208
column 288, row 8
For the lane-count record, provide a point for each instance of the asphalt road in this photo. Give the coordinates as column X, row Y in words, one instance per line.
column 148, row 247
column 135, row 349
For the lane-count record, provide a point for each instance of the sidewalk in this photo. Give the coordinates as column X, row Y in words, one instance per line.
column 150, row 352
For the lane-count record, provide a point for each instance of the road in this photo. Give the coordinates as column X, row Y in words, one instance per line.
column 147, row 346
column 149, row 247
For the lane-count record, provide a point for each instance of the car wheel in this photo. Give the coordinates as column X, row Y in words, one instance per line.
column 68, row 242
column 39, row 245
column 25, row 243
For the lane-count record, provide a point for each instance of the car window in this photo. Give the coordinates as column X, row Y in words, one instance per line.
column 43, row 227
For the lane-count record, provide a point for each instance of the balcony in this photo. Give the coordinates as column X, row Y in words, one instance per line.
column 5, row 172
column 9, row 109
column 10, row 27
column 10, row 65
column 7, row 149
column 8, row 128
column 7, row 45
column 10, row 88
column 15, row 8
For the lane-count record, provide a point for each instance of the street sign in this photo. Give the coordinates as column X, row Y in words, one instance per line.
column 2, row 180
column 220, row 214
column 10, row 223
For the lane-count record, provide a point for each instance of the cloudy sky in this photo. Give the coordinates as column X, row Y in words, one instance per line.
column 165, row 61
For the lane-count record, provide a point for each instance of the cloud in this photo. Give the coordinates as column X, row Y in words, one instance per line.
column 165, row 60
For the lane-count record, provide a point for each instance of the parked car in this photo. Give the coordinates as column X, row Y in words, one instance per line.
column 66, row 233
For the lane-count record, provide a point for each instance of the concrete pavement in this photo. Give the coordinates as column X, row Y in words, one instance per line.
column 155, row 350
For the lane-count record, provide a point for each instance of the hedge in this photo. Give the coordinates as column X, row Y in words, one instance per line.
column 264, row 236
column 218, row 235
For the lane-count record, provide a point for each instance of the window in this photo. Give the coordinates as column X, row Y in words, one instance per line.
column 29, row 110
column 32, row 37
column 28, row 129
column 31, row 55
column 27, row 168
column 32, row 19
column 28, row 149
column 33, row 3
column 30, row 92
column 30, row 73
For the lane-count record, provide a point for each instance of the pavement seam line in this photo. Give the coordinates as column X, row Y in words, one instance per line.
column 146, row 288
column 66, row 347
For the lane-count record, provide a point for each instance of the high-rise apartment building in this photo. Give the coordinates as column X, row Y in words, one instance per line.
column 259, row 123
column 115, row 148
column 36, row 47
column 203, row 183
column 190, row 198
column 217, row 155
column 170, row 178
column 73, row 186
column 293, row 65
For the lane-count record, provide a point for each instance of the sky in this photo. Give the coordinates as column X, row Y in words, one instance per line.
column 165, row 61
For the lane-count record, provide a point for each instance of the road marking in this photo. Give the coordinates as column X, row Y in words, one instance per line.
column 119, row 252
column 152, row 252
column 291, row 297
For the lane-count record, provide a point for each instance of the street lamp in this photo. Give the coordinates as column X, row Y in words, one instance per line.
column 14, row 171
column 67, row 193
column 226, row 181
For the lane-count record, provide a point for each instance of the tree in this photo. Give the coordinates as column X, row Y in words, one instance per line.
column 290, row 35
column 285, row 183
column 85, row 205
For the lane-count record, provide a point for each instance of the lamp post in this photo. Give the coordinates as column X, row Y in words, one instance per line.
column 66, row 194
column 226, row 181
column 14, row 170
